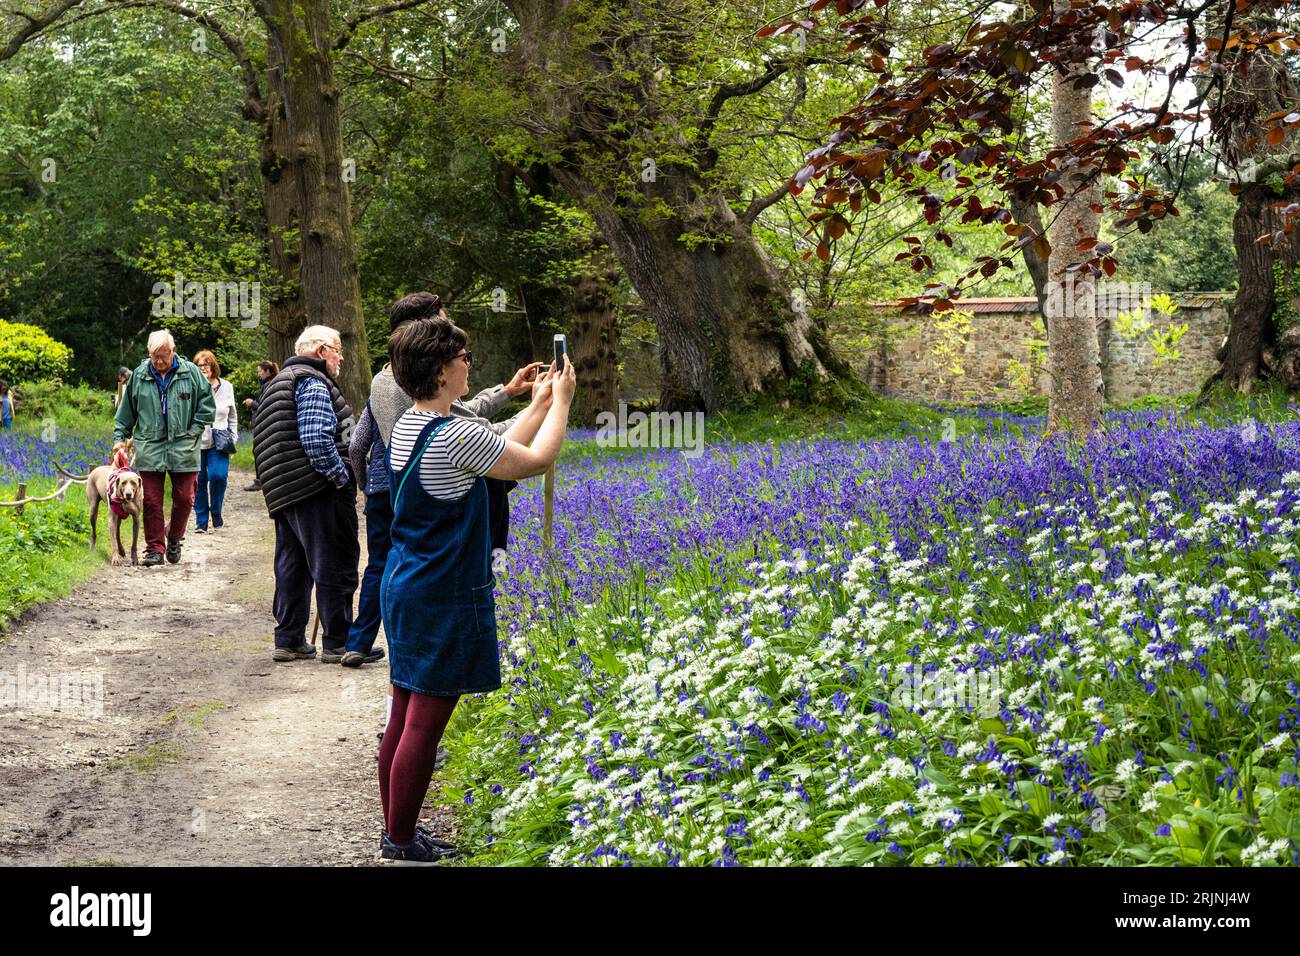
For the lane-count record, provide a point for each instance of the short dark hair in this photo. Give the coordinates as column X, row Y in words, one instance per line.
column 417, row 305
column 419, row 350
column 4, row 388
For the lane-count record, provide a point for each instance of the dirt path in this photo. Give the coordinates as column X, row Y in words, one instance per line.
column 206, row 752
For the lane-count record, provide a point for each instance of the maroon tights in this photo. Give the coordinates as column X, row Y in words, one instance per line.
column 406, row 756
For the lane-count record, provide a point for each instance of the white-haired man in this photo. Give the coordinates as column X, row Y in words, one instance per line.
column 165, row 406
column 300, row 450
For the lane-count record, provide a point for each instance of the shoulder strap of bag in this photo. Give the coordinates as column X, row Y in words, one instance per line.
column 415, row 459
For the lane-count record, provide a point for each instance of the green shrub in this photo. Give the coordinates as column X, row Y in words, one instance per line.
column 73, row 407
column 27, row 353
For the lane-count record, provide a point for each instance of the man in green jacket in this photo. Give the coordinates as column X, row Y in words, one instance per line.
column 165, row 406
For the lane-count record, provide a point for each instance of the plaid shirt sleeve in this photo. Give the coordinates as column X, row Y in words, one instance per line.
column 316, row 426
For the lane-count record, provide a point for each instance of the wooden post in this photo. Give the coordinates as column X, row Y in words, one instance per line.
column 548, row 506
column 22, row 493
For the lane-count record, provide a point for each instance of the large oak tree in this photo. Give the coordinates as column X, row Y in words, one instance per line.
column 623, row 100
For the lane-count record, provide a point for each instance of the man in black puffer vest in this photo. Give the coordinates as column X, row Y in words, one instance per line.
column 301, row 433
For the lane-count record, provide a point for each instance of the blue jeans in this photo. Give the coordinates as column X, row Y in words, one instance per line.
column 214, row 468
column 379, row 521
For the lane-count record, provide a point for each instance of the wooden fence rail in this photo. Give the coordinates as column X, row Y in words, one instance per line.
column 67, row 481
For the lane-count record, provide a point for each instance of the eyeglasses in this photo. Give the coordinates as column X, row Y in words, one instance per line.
column 468, row 357
column 334, row 348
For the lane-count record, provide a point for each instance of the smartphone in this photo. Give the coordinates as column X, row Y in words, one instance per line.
column 560, row 347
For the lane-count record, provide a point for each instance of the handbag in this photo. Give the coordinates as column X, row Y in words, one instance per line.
column 223, row 441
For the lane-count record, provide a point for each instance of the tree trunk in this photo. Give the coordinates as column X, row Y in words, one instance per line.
column 726, row 325
column 547, row 305
column 1251, row 327
column 595, row 340
column 1265, row 87
column 1072, row 351
column 300, row 41
column 1025, row 212
column 286, row 317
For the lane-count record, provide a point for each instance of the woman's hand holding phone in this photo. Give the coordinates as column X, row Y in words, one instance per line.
column 565, row 385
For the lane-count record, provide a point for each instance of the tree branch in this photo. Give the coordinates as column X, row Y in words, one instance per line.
column 35, row 24
column 759, row 203
column 254, row 104
column 729, row 91
column 350, row 27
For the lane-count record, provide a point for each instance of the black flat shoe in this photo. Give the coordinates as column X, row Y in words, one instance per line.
column 445, row 849
column 356, row 658
column 415, row 853
column 173, row 551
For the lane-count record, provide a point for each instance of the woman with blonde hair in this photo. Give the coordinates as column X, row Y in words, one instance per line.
column 218, row 444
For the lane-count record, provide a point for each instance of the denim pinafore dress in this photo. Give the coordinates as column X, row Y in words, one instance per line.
column 435, row 597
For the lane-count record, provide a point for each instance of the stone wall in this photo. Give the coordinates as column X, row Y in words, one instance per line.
column 939, row 358
column 1130, row 369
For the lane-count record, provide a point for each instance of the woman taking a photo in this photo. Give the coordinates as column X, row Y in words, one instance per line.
column 436, row 595
column 218, row 445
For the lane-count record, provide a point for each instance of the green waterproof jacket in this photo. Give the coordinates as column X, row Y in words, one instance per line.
column 171, row 444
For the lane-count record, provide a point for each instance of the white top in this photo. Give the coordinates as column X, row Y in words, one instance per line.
column 460, row 451
column 227, row 416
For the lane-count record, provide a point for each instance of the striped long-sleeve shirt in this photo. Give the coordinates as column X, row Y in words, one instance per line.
column 317, row 424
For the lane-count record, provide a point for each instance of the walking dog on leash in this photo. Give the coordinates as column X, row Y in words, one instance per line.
column 121, row 486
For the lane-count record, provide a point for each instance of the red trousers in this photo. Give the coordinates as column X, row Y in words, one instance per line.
column 183, row 485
